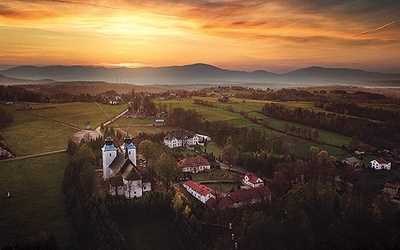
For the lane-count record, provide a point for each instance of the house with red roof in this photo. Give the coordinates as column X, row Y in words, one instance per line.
column 193, row 164
column 380, row 163
column 392, row 188
column 252, row 180
column 200, row 192
column 245, row 197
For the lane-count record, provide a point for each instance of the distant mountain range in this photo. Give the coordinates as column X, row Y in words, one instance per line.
column 196, row 74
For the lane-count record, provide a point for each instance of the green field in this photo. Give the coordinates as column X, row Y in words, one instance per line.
column 36, row 202
column 77, row 114
column 29, row 134
column 134, row 126
column 48, row 126
column 251, row 107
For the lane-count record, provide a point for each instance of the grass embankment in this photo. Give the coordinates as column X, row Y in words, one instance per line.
column 48, row 126
column 36, row 203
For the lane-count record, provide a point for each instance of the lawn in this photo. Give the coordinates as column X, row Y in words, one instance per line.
column 29, row 134
column 77, row 114
column 36, row 202
column 214, row 174
column 48, row 126
column 303, row 149
column 212, row 147
column 134, row 126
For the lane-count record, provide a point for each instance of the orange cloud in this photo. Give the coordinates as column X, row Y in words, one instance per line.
column 222, row 32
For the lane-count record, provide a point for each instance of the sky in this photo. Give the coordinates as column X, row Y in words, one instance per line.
column 276, row 35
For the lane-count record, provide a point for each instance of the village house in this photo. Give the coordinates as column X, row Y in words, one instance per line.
column 245, row 197
column 380, row 163
column 181, row 139
column 392, row 188
column 352, row 162
column 159, row 123
column 120, row 169
column 252, row 180
column 193, row 164
column 200, row 192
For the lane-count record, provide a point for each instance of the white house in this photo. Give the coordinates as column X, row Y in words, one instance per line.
column 193, row 164
column 181, row 139
column 203, row 138
column 380, row 163
column 119, row 168
column 252, row 180
column 200, row 192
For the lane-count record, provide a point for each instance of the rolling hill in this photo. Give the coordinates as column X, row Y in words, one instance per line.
column 201, row 74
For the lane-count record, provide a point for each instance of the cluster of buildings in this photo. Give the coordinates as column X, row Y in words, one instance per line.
column 184, row 138
column 256, row 192
column 377, row 164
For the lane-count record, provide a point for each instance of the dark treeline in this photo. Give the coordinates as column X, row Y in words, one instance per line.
column 43, row 241
column 15, row 93
column 351, row 108
column 380, row 134
column 316, row 217
column 281, row 95
column 7, row 117
column 310, row 213
column 93, row 227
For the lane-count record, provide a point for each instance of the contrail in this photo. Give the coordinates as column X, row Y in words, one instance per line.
column 372, row 30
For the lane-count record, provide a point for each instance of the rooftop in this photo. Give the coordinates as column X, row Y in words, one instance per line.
column 194, row 161
column 201, row 189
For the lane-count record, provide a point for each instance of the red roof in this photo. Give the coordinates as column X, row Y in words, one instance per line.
column 382, row 161
column 195, row 161
column 392, row 185
column 201, row 189
column 252, row 178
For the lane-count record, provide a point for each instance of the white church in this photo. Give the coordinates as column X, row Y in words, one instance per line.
column 120, row 169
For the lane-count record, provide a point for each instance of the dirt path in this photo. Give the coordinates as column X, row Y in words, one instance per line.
column 92, row 134
column 35, row 155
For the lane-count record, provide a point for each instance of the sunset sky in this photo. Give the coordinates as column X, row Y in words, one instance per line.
column 277, row 36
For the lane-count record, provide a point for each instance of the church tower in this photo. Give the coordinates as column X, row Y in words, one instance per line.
column 129, row 149
column 109, row 154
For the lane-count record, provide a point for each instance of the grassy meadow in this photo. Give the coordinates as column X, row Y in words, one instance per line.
column 36, row 202
column 252, row 107
column 48, row 126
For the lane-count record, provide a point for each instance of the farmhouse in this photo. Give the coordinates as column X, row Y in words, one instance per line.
column 181, row 139
column 200, row 192
column 392, row 188
column 252, row 180
column 119, row 168
column 352, row 162
column 380, row 163
column 245, row 197
column 159, row 123
column 193, row 164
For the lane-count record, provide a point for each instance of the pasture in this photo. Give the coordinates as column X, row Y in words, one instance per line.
column 274, row 128
column 37, row 201
column 48, row 126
